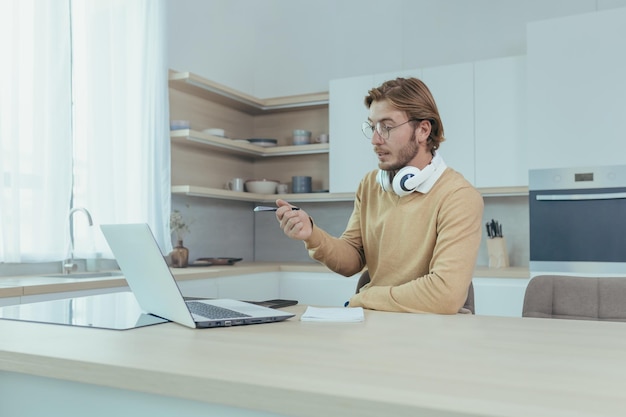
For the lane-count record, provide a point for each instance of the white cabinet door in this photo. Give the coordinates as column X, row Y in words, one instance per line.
column 318, row 289
column 500, row 122
column 9, row 301
column 25, row 299
column 453, row 89
column 499, row 296
column 577, row 90
column 206, row 288
column 253, row 287
column 351, row 155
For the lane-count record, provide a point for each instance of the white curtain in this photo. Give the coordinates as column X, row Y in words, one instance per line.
column 121, row 118
column 114, row 159
column 35, row 129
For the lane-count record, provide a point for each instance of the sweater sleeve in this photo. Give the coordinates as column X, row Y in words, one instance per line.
column 444, row 289
column 343, row 255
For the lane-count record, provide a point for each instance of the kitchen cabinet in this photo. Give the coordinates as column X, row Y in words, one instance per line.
column 203, row 163
column 351, row 155
column 495, row 296
column 315, row 288
column 35, row 298
column 577, row 90
column 500, row 122
column 452, row 86
column 9, row 301
column 252, row 287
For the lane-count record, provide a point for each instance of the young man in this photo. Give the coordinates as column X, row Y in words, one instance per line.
column 416, row 223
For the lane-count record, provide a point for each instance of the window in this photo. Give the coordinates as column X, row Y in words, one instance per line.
column 83, row 122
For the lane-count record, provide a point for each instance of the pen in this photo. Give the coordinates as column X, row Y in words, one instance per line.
column 266, row 208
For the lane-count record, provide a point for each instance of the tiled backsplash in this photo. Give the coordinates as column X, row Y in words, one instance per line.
column 223, row 228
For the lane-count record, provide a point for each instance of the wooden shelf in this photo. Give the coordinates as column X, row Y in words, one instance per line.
column 195, row 191
column 190, row 190
column 204, row 140
column 209, row 90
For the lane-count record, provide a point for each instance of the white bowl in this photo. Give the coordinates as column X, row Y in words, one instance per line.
column 215, row 132
column 179, row 124
column 261, row 186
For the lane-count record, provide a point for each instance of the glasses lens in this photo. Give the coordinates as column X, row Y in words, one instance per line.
column 368, row 130
column 382, row 131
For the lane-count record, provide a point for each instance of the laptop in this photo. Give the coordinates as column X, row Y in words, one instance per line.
column 157, row 292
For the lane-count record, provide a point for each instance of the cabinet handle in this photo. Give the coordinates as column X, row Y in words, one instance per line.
column 574, row 197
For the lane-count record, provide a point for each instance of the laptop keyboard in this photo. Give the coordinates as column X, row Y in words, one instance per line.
column 213, row 312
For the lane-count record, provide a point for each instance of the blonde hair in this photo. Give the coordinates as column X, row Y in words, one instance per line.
column 412, row 96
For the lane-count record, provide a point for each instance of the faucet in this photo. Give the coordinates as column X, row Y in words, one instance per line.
column 68, row 264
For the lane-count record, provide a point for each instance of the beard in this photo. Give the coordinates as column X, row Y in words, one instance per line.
column 405, row 155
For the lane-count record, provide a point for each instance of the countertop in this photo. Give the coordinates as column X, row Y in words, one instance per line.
column 33, row 285
column 460, row 365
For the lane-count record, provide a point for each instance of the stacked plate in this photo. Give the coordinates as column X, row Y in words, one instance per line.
column 266, row 143
column 215, row 132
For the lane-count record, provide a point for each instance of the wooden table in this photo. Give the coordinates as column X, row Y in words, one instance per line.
column 390, row 365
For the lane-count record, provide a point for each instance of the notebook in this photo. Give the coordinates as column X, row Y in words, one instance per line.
column 157, row 292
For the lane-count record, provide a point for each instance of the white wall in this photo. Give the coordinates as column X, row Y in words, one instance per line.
column 270, row 48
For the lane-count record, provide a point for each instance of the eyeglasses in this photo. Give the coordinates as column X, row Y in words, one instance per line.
column 382, row 130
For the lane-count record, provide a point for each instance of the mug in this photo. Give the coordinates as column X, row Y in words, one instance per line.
column 301, row 184
column 301, row 137
column 236, row 184
column 323, row 138
column 282, row 188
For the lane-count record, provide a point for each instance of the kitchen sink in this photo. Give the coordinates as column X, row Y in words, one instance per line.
column 79, row 275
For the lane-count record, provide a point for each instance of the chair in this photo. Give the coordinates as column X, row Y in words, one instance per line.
column 577, row 298
column 469, row 302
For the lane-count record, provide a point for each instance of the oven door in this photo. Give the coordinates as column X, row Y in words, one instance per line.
column 578, row 230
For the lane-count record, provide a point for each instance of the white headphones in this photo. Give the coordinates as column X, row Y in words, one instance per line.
column 409, row 178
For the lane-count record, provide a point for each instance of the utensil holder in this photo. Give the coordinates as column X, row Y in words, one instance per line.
column 498, row 255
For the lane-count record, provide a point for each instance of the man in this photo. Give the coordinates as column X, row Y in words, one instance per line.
column 416, row 223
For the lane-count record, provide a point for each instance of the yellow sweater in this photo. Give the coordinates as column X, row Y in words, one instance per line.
column 420, row 249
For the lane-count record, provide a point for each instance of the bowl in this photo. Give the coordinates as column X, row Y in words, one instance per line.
column 261, row 186
column 266, row 143
column 215, row 132
column 301, row 137
column 179, row 124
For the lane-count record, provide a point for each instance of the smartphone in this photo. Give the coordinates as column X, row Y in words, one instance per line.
column 275, row 303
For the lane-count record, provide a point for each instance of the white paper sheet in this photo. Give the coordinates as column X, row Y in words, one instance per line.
column 333, row 314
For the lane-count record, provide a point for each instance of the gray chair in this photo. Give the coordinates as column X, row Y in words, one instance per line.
column 577, row 298
column 469, row 302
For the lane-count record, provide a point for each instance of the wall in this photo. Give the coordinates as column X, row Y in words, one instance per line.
column 270, row 48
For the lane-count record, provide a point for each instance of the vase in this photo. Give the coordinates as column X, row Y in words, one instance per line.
column 180, row 255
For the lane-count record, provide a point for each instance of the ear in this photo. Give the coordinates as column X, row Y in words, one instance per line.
column 423, row 131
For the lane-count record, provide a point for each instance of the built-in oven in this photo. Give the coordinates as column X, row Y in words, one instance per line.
column 578, row 220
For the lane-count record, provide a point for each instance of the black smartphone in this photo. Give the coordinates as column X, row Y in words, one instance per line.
column 276, row 303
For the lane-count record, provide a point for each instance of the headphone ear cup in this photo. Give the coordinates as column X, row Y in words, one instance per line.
column 383, row 179
column 409, row 178
column 399, row 183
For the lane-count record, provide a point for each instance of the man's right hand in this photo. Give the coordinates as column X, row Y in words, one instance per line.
column 296, row 224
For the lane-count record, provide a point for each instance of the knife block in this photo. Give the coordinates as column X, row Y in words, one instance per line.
column 498, row 255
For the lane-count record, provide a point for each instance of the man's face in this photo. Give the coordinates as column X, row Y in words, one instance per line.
column 401, row 146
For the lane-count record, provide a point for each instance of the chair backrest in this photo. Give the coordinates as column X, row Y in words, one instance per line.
column 578, row 298
column 469, row 302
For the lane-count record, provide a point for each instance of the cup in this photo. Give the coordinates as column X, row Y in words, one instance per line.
column 323, row 138
column 301, row 137
column 282, row 188
column 236, row 184
column 301, row 184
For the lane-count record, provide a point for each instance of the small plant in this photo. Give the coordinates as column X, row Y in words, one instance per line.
column 178, row 225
